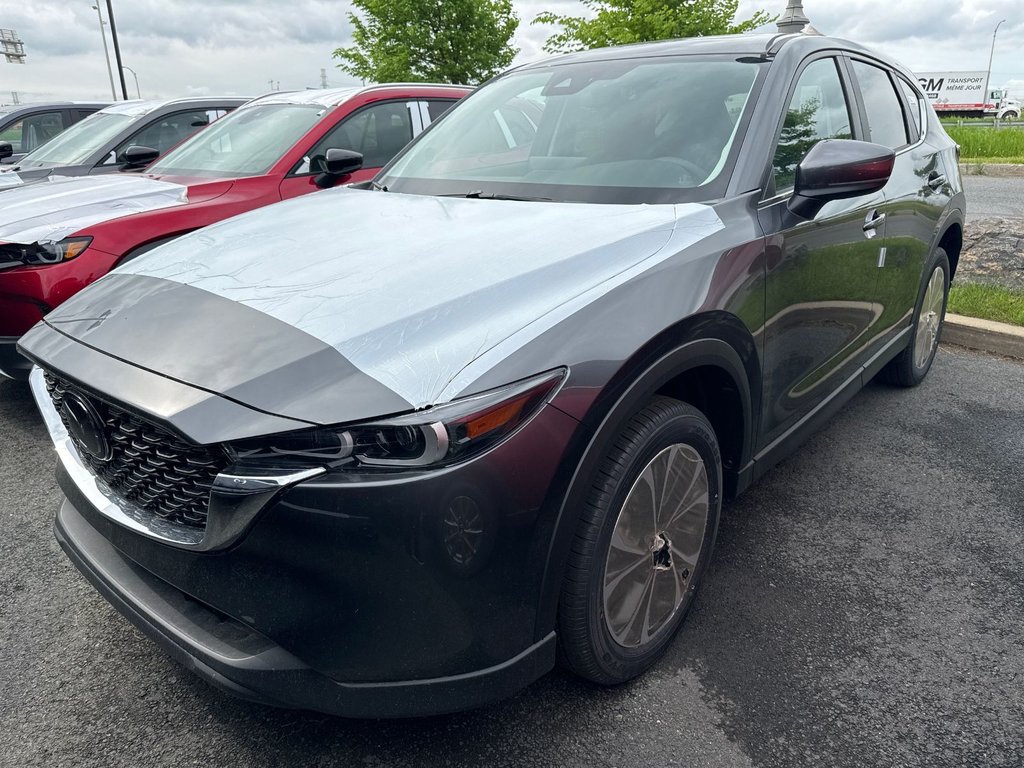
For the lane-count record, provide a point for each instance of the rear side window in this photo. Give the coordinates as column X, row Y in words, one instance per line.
column 884, row 108
column 437, row 107
column 915, row 103
column 818, row 110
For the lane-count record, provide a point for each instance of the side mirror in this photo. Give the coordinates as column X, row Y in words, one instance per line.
column 6, row 150
column 337, row 163
column 835, row 169
column 139, row 157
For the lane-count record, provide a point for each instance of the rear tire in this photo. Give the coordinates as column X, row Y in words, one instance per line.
column 909, row 368
column 643, row 542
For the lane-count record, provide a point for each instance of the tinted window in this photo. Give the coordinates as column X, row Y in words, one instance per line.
column 818, row 110
column 33, row 131
column 915, row 103
column 378, row 133
column 437, row 107
column 884, row 110
column 164, row 132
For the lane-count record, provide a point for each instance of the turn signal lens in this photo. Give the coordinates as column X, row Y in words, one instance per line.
column 71, row 247
column 435, row 436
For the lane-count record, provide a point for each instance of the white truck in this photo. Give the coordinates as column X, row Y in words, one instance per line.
column 962, row 94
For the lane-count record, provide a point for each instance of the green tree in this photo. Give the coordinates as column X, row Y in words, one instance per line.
column 619, row 22
column 443, row 41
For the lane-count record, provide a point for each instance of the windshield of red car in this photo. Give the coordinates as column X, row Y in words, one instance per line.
column 248, row 142
column 625, row 130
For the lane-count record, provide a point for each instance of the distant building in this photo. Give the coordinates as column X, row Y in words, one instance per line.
column 11, row 46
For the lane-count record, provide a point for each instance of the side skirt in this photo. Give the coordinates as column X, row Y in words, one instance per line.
column 786, row 443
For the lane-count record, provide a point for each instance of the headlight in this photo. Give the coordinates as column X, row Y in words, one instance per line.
column 435, row 436
column 37, row 254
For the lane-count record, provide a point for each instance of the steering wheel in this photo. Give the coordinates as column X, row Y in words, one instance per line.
column 695, row 172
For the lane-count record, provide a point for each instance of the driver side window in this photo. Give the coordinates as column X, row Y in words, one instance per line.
column 165, row 132
column 378, row 132
column 818, row 110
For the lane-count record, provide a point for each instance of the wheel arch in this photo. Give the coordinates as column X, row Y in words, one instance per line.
column 706, row 355
column 951, row 240
column 149, row 245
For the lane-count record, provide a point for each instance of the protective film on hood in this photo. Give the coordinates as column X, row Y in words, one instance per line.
column 10, row 179
column 413, row 289
column 50, row 210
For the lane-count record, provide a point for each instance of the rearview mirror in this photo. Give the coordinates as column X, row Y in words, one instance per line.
column 835, row 169
column 6, row 150
column 139, row 157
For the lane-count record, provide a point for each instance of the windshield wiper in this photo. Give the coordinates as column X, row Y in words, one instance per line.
column 377, row 186
column 478, row 194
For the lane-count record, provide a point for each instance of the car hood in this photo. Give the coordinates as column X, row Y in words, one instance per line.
column 349, row 304
column 50, row 210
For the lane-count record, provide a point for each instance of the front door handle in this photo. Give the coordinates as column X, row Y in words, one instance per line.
column 936, row 180
column 873, row 221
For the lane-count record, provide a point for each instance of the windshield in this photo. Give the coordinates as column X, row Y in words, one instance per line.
column 247, row 142
column 629, row 130
column 80, row 141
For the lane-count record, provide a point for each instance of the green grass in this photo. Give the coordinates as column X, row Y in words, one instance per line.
column 988, row 302
column 989, row 145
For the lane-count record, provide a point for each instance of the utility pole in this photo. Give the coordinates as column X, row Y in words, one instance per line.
column 323, row 77
column 988, row 74
column 793, row 20
column 117, row 49
column 106, row 53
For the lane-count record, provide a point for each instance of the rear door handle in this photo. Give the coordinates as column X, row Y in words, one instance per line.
column 936, row 180
column 873, row 221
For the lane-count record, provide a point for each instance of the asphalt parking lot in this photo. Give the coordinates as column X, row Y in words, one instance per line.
column 865, row 608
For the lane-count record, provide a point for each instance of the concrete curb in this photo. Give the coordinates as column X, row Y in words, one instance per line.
column 991, row 169
column 984, row 335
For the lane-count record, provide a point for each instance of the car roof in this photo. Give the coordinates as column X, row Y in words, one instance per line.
column 8, row 109
column 332, row 97
column 140, row 107
column 760, row 44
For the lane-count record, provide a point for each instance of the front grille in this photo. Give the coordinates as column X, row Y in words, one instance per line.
column 150, row 467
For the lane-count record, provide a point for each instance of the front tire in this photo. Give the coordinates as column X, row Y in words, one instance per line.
column 643, row 543
column 909, row 368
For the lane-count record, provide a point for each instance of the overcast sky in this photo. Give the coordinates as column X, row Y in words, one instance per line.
column 183, row 47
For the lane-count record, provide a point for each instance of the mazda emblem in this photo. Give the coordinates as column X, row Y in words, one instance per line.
column 85, row 426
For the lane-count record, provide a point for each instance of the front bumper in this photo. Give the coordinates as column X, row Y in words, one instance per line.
column 240, row 661
column 13, row 364
column 339, row 593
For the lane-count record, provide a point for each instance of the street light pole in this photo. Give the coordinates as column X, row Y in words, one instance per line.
column 988, row 74
column 138, row 90
column 117, row 49
column 106, row 53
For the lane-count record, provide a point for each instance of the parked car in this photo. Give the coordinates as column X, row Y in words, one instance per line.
column 379, row 452
column 27, row 126
column 58, row 237
column 128, row 135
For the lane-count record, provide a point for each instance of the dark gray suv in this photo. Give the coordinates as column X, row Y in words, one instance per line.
column 381, row 451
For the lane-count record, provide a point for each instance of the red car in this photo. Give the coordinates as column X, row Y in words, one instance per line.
column 59, row 235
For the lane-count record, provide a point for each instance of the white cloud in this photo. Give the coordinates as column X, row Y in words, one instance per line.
column 235, row 47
